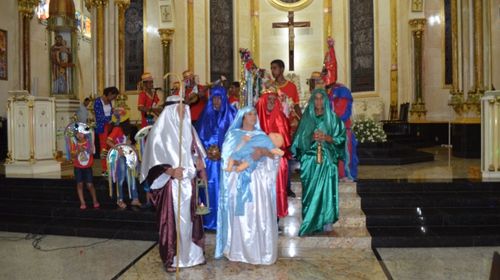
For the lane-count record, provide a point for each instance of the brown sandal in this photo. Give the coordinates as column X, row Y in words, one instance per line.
column 136, row 202
column 171, row 269
column 121, row 205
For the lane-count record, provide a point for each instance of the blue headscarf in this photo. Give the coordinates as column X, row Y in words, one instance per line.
column 213, row 124
column 231, row 141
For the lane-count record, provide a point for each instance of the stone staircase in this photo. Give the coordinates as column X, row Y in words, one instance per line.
column 459, row 213
column 348, row 232
column 49, row 206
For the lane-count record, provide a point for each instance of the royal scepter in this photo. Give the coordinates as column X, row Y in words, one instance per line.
column 319, row 151
column 181, row 117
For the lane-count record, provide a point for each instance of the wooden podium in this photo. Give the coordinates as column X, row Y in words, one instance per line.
column 31, row 136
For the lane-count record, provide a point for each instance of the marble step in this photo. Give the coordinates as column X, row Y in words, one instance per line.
column 344, row 187
column 351, row 217
column 349, row 200
column 455, row 187
column 348, row 217
column 347, row 187
column 342, row 237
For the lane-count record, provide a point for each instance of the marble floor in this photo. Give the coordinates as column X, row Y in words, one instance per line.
column 107, row 259
column 64, row 257
column 344, row 253
column 293, row 263
column 445, row 167
column 439, row 263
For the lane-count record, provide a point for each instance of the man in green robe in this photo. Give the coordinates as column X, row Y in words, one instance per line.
column 318, row 145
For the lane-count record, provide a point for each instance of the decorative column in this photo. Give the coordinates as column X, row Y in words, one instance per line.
column 457, row 96
column 26, row 11
column 418, row 110
column 190, row 10
column 327, row 21
column 394, row 61
column 490, row 135
column 474, row 96
column 122, row 7
column 255, row 43
column 100, row 6
column 478, row 47
column 166, row 38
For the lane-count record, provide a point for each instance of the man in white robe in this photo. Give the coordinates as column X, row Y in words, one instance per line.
column 166, row 168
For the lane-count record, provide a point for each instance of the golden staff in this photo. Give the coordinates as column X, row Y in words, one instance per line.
column 181, row 117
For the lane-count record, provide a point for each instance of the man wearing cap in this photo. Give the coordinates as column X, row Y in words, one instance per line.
column 196, row 95
column 148, row 101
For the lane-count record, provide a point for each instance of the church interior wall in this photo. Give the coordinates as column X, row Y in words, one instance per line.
column 340, row 35
column 152, row 44
column 179, row 49
column 434, row 90
column 39, row 57
column 242, row 31
column 39, row 54
column 84, row 68
column 309, row 49
column 466, row 81
column 9, row 21
column 40, row 65
column 111, row 45
column 201, row 12
column 383, row 53
column 405, row 90
column 495, row 42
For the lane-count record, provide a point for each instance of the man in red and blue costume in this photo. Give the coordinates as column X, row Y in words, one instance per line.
column 341, row 101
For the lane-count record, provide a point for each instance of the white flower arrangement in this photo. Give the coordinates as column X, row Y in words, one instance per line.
column 369, row 131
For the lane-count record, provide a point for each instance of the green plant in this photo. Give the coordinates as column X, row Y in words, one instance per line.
column 369, row 131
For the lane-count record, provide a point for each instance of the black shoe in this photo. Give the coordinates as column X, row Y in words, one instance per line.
column 147, row 205
column 291, row 194
column 280, row 230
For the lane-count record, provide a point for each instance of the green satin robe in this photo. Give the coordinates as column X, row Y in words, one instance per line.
column 320, row 199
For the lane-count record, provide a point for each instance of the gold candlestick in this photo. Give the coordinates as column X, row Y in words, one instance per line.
column 319, row 154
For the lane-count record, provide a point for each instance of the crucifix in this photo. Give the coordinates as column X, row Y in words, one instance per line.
column 291, row 36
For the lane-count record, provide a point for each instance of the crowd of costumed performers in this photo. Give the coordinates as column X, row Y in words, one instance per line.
column 219, row 159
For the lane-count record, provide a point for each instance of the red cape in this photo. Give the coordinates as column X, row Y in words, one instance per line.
column 276, row 122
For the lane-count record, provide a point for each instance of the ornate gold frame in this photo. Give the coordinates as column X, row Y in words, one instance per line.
column 299, row 5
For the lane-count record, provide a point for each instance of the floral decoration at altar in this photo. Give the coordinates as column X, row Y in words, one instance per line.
column 369, row 131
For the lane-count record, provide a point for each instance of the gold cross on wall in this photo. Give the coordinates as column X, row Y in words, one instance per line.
column 291, row 36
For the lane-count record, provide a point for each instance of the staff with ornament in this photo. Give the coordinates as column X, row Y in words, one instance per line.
column 172, row 159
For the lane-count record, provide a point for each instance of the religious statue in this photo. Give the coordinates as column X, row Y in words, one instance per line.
column 61, row 63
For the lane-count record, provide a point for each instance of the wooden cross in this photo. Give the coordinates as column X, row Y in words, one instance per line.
column 291, row 36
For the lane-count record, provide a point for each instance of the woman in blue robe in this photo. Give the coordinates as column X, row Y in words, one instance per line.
column 214, row 122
